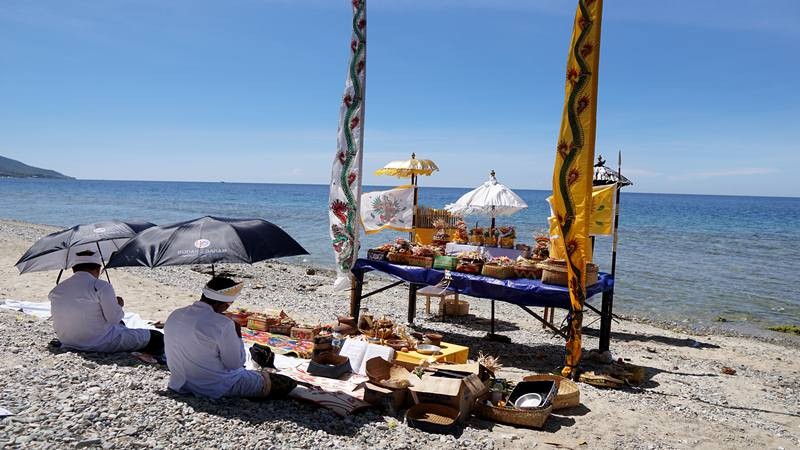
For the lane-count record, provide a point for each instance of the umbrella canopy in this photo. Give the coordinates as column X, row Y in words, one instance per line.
column 207, row 240
column 605, row 175
column 57, row 250
column 491, row 199
column 409, row 167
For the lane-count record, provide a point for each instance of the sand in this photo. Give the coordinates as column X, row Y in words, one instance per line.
column 686, row 402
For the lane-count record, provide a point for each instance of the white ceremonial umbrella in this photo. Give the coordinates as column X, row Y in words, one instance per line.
column 605, row 175
column 491, row 199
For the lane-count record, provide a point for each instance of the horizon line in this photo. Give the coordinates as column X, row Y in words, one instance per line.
column 379, row 185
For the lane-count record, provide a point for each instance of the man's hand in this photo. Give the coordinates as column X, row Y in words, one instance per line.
column 120, row 301
column 238, row 329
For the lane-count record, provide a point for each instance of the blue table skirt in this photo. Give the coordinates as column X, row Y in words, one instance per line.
column 519, row 291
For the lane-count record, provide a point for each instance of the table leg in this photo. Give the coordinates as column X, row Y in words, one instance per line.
column 412, row 302
column 495, row 337
column 605, row 320
column 355, row 293
column 492, row 324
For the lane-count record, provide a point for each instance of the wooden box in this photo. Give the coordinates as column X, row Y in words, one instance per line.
column 304, row 333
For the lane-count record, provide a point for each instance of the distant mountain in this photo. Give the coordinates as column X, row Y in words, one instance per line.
column 15, row 169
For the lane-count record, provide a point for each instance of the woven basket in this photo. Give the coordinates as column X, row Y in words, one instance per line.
column 528, row 271
column 568, row 393
column 476, row 239
column 554, row 271
column 282, row 328
column 490, row 241
column 500, row 272
column 385, row 374
column 432, row 417
column 532, row 418
column 456, row 308
column 469, row 267
column 376, row 255
column 507, row 242
column 257, row 322
column 398, row 258
column 420, row 261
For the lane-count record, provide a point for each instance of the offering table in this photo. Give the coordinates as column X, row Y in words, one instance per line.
column 522, row 292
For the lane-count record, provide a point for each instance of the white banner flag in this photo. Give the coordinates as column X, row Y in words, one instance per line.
column 392, row 209
column 346, row 171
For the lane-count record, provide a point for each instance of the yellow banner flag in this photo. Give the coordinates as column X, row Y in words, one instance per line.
column 572, row 174
column 602, row 222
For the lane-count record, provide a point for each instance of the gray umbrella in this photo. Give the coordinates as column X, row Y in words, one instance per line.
column 57, row 250
column 207, row 240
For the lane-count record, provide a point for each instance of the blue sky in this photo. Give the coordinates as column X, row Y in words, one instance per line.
column 700, row 98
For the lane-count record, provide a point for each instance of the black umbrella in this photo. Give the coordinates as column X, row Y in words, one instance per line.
column 56, row 251
column 207, row 240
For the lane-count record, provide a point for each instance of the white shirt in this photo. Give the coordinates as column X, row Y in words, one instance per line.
column 205, row 356
column 86, row 316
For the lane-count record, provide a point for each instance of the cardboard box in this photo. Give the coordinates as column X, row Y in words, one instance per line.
column 478, row 369
column 394, row 400
column 460, row 394
column 304, row 333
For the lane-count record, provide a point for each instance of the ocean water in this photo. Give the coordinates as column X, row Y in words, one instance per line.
column 684, row 258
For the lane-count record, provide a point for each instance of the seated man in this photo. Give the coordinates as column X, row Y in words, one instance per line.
column 205, row 352
column 87, row 314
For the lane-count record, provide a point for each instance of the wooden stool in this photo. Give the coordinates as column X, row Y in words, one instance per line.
column 433, row 291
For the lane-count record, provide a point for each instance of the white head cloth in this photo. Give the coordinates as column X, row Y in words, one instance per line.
column 227, row 295
column 90, row 258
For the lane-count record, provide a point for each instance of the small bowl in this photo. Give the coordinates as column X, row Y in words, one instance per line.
column 428, row 349
column 397, row 344
column 434, row 338
column 528, row 401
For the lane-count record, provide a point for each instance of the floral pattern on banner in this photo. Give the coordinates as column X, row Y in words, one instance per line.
column 345, row 189
column 392, row 209
column 572, row 174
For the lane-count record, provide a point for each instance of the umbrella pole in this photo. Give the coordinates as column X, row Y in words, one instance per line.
column 59, row 276
column 616, row 219
column 414, row 210
column 608, row 297
column 212, row 271
column 103, row 260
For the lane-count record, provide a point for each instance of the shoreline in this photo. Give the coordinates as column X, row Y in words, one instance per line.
column 734, row 328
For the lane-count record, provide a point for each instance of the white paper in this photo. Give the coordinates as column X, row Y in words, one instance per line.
column 354, row 350
column 374, row 350
column 360, row 352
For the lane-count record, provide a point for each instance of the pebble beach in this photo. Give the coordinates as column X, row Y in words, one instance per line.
column 70, row 400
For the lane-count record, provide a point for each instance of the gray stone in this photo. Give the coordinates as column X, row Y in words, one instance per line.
column 88, row 443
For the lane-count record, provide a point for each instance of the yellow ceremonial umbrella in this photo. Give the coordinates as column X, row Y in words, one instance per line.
column 409, row 168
